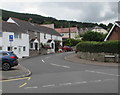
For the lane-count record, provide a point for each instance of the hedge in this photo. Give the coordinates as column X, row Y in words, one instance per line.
column 71, row 42
column 98, row 47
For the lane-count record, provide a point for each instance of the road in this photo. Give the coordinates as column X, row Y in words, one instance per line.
column 52, row 74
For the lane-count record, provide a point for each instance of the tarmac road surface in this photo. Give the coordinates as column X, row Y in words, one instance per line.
column 53, row 74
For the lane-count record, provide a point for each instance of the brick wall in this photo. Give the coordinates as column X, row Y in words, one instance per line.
column 115, row 35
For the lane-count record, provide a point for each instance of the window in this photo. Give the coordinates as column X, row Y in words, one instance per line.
column 4, row 54
column 31, row 45
column 9, row 49
column 51, row 36
column 52, row 46
column 0, row 48
column 44, row 36
column 35, row 34
column 16, row 35
column 24, row 48
column 0, row 34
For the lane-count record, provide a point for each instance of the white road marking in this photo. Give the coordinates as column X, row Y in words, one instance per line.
column 76, row 83
column 62, row 84
column 95, row 81
column 80, row 82
column 30, row 87
column 43, row 61
column 101, row 73
column 49, row 85
column 108, row 79
column 59, row 65
column 47, row 57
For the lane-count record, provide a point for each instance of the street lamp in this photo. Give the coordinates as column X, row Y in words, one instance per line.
column 69, row 31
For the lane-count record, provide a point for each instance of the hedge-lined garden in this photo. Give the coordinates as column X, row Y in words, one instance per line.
column 98, row 47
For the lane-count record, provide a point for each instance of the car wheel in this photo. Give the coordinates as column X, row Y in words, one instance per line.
column 6, row 66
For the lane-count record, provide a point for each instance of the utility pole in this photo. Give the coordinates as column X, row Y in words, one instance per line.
column 69, row 31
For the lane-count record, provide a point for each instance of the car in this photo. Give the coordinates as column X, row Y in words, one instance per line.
column 67, row 48
column 8, row 60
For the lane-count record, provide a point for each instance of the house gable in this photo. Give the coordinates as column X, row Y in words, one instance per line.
column 114, row 33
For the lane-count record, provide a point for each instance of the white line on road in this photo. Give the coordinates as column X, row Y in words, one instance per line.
column 77, row 83
column 101, row 73
column 49, row 85
column 43, row 61
column 59, row 65
column 30, row 87
column 47, row 57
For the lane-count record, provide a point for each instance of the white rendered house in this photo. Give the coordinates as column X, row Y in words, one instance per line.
column 20, row 42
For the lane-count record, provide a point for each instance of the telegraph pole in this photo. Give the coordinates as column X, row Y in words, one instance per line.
column 69, row 31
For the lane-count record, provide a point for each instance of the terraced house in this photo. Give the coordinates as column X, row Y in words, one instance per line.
column 38, row 36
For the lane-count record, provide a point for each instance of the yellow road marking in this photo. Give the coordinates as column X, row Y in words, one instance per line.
column 22, row 85
column 16, row 79
column 29, row 78
column 25, row 83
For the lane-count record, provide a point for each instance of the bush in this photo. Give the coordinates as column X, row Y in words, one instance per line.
column 71, row 42
column 93, row 36
column 98, row 47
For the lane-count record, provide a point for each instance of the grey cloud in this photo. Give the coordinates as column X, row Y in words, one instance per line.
column 80, row 11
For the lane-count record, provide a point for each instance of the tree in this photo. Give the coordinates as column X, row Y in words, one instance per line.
column 93, row 36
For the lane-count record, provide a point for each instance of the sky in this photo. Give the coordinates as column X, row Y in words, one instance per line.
column 82, row 11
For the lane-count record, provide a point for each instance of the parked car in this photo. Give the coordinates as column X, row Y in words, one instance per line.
column 67, row 48
column 7, row 60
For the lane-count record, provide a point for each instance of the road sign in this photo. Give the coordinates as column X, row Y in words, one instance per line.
column 10, row 38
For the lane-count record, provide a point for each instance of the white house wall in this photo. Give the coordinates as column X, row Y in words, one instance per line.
column 17, row 43
column 100, row 31
column 1, row 42
column 66, row 35
column 42, row 39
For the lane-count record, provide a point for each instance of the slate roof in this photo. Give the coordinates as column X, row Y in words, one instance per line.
column 35, row 27
column 11, row 27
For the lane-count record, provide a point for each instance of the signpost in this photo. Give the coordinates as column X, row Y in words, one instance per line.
column 11, row 40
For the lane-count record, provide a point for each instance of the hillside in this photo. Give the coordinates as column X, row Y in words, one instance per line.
column 48, row 20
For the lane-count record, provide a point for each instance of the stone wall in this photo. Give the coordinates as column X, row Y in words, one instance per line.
column 102, row 57
column 36, row 52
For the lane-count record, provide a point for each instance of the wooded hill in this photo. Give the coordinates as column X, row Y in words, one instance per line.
column 49, row 20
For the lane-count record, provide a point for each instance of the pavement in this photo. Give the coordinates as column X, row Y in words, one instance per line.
column 74, row 58
column 15, row 72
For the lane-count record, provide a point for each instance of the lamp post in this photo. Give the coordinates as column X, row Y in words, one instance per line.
column 69, row 31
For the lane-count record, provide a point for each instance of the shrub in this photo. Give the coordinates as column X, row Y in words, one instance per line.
column 71, row 42
column 93, row 36
column 98, row 47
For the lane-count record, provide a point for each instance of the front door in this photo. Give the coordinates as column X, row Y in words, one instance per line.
column 20, row 51
column 36, row 46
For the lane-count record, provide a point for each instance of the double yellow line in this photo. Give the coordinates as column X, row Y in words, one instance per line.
column 28, row 78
